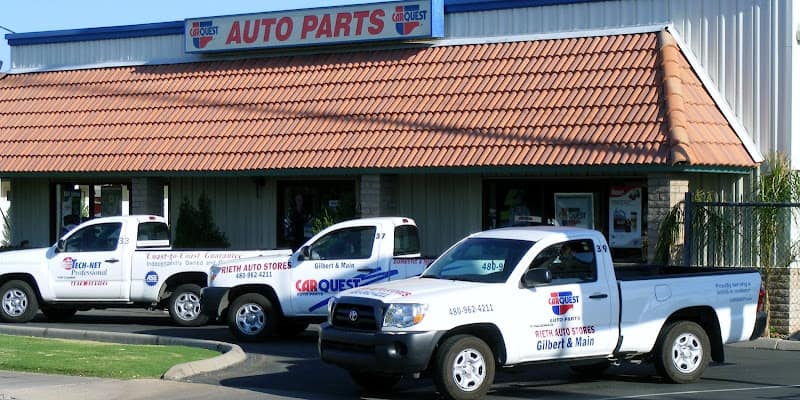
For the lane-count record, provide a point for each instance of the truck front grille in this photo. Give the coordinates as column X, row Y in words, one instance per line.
column 355, row 316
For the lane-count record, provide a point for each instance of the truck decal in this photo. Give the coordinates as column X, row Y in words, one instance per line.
column 471, row 309
column 562, row 302
column 89, row 283
column 151, row 279
column 355, row 281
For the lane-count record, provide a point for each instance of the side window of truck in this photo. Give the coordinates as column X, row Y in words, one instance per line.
column 406, row 240
column 345, row 244
column 569, row 262
column 153, row 231
column 98, row 237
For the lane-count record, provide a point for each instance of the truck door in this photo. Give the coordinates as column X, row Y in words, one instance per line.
column 89, row 264
column 406, row 257
column 572, row 316
column 341, row 259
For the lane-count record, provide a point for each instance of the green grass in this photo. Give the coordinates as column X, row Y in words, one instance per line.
column 84, row 358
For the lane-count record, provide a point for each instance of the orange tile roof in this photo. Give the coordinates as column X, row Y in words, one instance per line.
column 595, row 101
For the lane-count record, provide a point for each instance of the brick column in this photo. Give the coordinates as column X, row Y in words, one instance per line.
column 377, row 197
column 147, row 196
column 663, row 192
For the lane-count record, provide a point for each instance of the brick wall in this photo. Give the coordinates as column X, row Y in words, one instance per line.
column 377, row 197
column 663, row 192
column 784, row 294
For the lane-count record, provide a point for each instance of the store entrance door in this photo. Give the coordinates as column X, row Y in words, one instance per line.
column 80, row 202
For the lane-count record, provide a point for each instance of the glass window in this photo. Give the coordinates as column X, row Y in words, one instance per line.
column 479, row 260
column 569, row 262
column 345, row 244
column 98, row 237
column 406, row 240
column 153, row 231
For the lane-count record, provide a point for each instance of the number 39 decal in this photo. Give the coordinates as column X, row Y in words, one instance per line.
column 602, row 249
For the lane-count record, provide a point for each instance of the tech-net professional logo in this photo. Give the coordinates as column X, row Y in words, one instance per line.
column 408, row 18
column 562, row 302
column 202, row 32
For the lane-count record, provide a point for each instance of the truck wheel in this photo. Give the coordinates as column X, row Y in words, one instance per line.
column 464, row 368
column 184, row 306
column 374, row 383
column 18, row 302
column 252, row 318
column 59, row 314
column 682, row 352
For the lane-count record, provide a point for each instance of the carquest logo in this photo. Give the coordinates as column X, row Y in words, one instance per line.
column 562, row 302
column 67, row 263
column 408, row 18
column 202, row 32
column 151, row 279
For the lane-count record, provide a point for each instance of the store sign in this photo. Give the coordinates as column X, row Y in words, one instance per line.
column 316, row 27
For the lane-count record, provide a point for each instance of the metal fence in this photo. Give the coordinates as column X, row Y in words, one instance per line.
column 738, row 234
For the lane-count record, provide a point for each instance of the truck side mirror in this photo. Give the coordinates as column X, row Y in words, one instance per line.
column 537, row 276
column 305, row 253
column 60, row 245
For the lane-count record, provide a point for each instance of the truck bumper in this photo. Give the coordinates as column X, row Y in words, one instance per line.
column 760, row 326
column 213, row 300
column 388, row 353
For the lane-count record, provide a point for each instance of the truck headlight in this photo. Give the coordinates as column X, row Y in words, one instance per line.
column 331, row 305
column 404, row 315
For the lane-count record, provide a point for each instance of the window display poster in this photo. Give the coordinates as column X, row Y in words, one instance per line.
column 625, row 213
column 111, row 200
column 575, row 209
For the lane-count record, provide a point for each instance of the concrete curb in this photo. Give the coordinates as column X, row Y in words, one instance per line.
column 231, row 353
column 770, row 344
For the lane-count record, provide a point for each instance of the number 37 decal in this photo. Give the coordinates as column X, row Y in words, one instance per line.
column 380, row 235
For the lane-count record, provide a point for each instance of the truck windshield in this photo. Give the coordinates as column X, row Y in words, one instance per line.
column 479, row 260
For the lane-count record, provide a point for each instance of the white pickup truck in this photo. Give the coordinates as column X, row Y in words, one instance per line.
column 541, row 294
column 263, row 296
column 109, row 262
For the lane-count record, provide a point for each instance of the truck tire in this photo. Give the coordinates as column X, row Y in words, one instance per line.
column 252, row 318
column 58, row 314
column 682, row 352
column 374, row 383
column 464, row 368
column 18, row 302
column 184, row 306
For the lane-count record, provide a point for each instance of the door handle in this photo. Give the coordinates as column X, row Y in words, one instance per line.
column 366, row 270
column 598, row 296
column 112, row 260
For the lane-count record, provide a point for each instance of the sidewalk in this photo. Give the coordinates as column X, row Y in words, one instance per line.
column 29, row 386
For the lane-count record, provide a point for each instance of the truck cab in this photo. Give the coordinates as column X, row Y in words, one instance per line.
column 264, row 296
column 521, row 295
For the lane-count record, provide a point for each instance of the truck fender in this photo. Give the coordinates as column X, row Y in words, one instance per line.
column 28, row 278
column 262, row 289
column 487, row 332
column 198, row 278
column 706, row 317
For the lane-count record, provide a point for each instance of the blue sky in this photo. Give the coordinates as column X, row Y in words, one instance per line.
column 24, row 16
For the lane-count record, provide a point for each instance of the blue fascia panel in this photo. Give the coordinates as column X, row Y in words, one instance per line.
column 111, row 32
column 177, row 27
